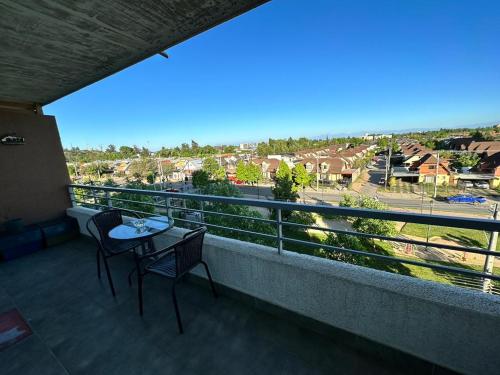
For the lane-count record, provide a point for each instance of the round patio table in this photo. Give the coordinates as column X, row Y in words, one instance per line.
column 153, row 226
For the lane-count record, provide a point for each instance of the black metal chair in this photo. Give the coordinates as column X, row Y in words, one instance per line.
column 108, row 247
column 174, row 262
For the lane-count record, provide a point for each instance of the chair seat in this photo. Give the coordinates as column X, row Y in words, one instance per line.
column 164, row 266
column 118, row 247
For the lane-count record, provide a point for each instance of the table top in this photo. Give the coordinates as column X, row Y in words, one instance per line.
column 152, row 226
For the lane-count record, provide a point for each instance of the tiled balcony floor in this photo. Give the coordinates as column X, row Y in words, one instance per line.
column 80, row 329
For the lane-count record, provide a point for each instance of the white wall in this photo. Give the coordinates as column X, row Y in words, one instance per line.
column 445, row 325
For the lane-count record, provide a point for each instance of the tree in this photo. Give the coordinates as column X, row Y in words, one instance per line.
column 301, row 178
column 241, row 171
column 253, row 173
column 466, row 160
column 200, row 179
column 95, row 169
column 220, row 174
column 344, row 241
column 284, row 188
column 284, row 171
column 127, row 152
column 111, row 149
column 142, row 168
column 479, row 135
column 210, row 166
column 71, row 169
column 383, row 143
column 167, row 169
column 392, row 181
column 224, row 188
column 368, row 225
column 124, row 200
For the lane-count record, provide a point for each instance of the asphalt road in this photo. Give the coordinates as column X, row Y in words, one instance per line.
column 413, row 204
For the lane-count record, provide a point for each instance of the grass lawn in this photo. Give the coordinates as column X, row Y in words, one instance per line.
column 444, row 277
column 465, row 237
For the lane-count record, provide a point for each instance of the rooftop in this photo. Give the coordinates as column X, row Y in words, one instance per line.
column 70, row 311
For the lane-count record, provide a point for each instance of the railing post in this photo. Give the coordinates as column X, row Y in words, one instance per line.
column 72, row 196
column 169, row 205
column 489, row 260
column 279, row 231
column 108, row 199
column 202, row 214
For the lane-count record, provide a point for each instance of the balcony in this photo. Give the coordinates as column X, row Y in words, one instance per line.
column 280, row 311
column 78, row 327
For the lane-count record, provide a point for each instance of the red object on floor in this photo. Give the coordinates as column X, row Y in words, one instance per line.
column 13, row 328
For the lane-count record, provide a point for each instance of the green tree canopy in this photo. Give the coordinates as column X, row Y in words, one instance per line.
column 253, row 173
column 284, row 188
column 301, row 177
column 142, row 168
column 284, row 171
column 210, row 166
column 466, row 159
column 241, row 171
column 200, row 179
column 220, row 174
column 367, row 225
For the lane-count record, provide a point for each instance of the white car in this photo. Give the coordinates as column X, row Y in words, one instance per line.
column 482, row 185
column 466, row 184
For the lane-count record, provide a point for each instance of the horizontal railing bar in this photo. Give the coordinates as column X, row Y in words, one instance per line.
column 91, row 204
column 438, row 220
column 228, row 228
column 96, row 196
column 131, row 201
column 396, row 259
column 224, row 214
column 475, row 250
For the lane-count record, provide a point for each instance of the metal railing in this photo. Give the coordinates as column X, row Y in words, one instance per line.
column 102, row 197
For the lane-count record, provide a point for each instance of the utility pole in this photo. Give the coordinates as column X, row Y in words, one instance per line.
column 317, row 173
column 436, row 177
column 490, row 260
column 388, row 164
column 422, row 198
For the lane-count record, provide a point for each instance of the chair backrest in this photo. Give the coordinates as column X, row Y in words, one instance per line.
column 105, row 221
column 188, row 252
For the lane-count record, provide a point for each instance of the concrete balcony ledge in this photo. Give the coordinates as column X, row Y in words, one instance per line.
column 444, row 325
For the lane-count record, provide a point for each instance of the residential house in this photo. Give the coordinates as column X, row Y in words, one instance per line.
column 427, row 169
column 191, row 166
column 121, row 167
column 329, row 169
column 268, row 166
column 490, row 164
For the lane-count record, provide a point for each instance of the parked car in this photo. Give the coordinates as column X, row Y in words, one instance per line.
column 466, row 184
column 465, row 198
column 172, row 190
column 482, row 185
column 381, row 181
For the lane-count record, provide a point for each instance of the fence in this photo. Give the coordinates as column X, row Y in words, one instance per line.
column 273, row 233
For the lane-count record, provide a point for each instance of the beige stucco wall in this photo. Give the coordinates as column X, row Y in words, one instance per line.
column 442, row 179
column 33, row 176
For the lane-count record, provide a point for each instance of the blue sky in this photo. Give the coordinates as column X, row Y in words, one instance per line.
column 302, row 68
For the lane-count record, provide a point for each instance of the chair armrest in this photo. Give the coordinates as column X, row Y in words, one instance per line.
column 159, row 252
column 133, row 213
column 193, row 231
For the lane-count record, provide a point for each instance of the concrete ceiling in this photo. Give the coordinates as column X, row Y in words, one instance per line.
column 51, row 48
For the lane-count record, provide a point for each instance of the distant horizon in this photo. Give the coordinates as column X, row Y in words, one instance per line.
column 285, row 69
column 331, row 136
